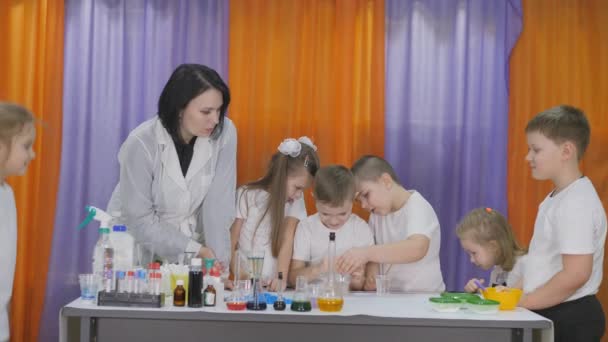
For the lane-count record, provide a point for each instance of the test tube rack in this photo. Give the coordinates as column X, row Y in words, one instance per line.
column 141, row 300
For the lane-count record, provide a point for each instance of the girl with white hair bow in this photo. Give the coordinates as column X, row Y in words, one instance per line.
column 269, row 209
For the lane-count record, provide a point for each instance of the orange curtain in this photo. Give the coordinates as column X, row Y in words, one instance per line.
column 561, row 58
column 31, row 65
column 312, row 68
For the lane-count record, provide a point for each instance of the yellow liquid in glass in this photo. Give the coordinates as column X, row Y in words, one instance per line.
column 330, row 304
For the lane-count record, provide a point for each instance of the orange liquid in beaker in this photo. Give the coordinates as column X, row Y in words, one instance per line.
column 330, row 304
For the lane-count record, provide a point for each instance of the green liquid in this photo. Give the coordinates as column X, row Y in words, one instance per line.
column 301, row 306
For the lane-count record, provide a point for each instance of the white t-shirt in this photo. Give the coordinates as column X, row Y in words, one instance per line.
column 571, row 222
column 498, row 276
column 8, row 254
column 312, row 238
column 415, row 217
column 251, row 205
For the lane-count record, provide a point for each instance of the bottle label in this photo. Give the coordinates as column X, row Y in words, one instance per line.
column 209, row 299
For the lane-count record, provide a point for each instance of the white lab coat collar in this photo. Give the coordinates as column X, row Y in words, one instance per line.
column 200, row 157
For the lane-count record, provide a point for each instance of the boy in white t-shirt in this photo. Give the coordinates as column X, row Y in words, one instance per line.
column 406, row 229
column 334, row 193
column 563, row 269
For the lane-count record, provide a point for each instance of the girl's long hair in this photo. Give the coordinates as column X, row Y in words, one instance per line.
column 275, row 183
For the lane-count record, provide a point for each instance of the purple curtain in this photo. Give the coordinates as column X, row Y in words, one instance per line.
column 446, row 109
column 118, row 56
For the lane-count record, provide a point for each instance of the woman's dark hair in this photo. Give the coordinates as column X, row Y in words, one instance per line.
column 187, row 82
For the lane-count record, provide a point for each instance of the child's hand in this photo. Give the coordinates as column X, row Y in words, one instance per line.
column 471, row 286
column 274, row 285
column 206, row 252
column 370, row 283
column 352, row 260
column 501, row 288
column 524, row 302
column 360, row 272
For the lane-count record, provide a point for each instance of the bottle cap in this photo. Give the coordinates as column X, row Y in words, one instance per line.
column 104, row 230
column 332, row 236
column 120, row 228
column 196, row 262
column 179, row 282
column 209, row 263
column 280, row 275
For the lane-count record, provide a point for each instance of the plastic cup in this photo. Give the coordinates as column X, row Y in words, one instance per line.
column 382, row 284
column 344, row 283
column 89, row 284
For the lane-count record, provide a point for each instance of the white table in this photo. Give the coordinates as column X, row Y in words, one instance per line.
column 365, row 317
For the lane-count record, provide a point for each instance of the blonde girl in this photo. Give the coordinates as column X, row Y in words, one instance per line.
column 485, row 234
column 17, row 134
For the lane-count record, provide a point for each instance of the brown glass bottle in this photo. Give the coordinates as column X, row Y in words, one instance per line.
column 179, row 295
column 209, row 296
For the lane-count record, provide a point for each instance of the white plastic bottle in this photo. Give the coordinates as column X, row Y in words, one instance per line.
column 124, row 246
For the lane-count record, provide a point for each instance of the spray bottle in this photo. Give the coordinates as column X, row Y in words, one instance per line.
column 122, row 242
column 103, row 253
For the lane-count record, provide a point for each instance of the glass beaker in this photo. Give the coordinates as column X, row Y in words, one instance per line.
column 256, row 263
column 301, row 299
column 88, row 287
column 144, row 252
column 382, row 284
column 238, row 298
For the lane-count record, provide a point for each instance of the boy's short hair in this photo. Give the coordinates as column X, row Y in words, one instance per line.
column 563, row 123
column 334, row 184
column 370, row 168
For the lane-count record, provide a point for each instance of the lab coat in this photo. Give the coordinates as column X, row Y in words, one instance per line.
column 176, row 213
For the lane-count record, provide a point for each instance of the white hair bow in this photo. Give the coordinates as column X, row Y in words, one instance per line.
column 292, row 147
column 306, row 140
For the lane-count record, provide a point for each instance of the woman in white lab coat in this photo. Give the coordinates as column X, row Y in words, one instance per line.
column 178, row 170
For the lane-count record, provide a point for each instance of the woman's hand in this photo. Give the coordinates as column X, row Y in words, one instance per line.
column 206, row 252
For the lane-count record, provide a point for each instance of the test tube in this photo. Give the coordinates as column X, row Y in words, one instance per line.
column 130, row 282
column 120, row 281
column 157, row 283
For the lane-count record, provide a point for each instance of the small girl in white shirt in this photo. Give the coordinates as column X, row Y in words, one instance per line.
column 17, row 134
column 487, row 237
column 269, row 209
